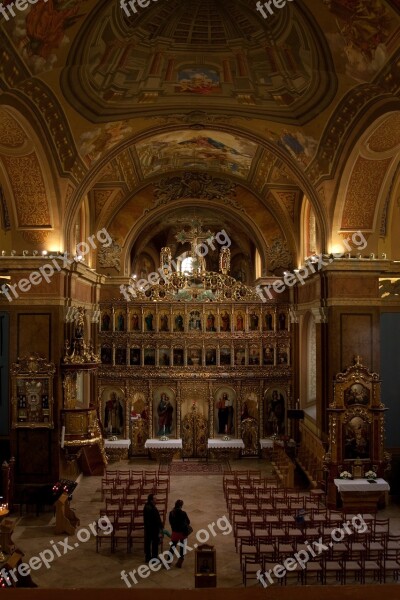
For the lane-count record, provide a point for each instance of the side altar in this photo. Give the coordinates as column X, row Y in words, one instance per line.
column 356, row 459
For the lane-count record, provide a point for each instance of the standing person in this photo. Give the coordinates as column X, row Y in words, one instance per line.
column 179, row 522
column 152, row 527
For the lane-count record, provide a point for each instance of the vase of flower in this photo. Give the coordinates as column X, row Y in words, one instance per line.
column 345, row 475
column 370, row 476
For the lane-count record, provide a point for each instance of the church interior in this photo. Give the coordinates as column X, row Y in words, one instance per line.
column 199, row 293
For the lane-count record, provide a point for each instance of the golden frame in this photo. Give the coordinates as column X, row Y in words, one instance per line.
column 32, row 401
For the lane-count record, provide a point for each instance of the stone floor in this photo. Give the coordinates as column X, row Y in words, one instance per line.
column 83, row 567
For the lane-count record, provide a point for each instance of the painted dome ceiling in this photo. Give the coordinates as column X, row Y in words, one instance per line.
column 120, row 66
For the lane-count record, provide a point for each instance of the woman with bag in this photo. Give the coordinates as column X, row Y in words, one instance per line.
column 180, row 525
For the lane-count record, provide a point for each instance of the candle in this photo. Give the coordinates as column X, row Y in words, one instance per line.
column 62, row 436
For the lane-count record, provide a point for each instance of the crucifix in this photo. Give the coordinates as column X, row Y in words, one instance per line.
column 196, row 236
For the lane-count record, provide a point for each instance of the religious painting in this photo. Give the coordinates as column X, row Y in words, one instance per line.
column 254, row 320
column 163, row 321
column 139, row 418
column 250, row 407
column 254, row 355
column 206, row 150
column 356, row 438
column 363, row 30
column 356, row 394
column 225, row 356
column 149, row 357
column 240, row 320
column 268, row 355
column 136, row 324
column 179, row 322
column 194, row 321
column 106, row 322
column 282, row 321
column 112, row 405
column 120, row 356
column 211, row 357
column 198, row 80
column 268, row 321
column 120, row 320
column 178, row 357
column 106, row 355
column 149, row 321
column 283, row 355
column 240, row 356
column 194, row 356
column 225, row 320
column 164, row 357
column 32, row 393
column 274, row 412
column 164, row 412
column 211, row 323
column 144, row 266
column 135, row 357
column 225, row 412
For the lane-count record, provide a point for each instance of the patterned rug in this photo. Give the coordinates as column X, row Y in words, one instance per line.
column 189, row 467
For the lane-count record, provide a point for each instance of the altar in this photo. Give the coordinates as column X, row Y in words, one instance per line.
column 163, row 450
column 362, row 495
column 117, row 449
column 225, row 449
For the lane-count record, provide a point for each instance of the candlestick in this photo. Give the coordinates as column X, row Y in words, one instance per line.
column 62, row 436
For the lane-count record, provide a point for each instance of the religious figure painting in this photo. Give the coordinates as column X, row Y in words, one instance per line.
column 254, row 321
column 120, row 356
column 239, row 321
column 250, row 407
column 149, row 321
column 106, row 356
column 268, row 324
column 225, row 356
column 135, row 357
column 198, row 80
column 135, row 322
column 149, row 357
column 164, row 412
column 268, row 355
column 208, row 150
column 356, row 394
column 179, row 322
column 240, row 355
column 210, row 322
column 120, row 320
column 274, row 412
column 225, row 321
column 356, row 438
column 113, row 410
column 178, row 357
column 106, row 324
column 164, row 357
column 225, row 407
column 211, row 357
column 195, row 320
column 282, row 356
column 164, row 322
column 254, row 355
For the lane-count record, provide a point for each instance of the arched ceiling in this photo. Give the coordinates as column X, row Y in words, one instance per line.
column 124, row 104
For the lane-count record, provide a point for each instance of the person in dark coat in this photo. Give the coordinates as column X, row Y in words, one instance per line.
column 179, row 522
column 152, row 527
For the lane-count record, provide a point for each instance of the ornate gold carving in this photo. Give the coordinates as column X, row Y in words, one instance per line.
column 194, row 434
column 363, row 190
column 36, row 237
column 278, row 255
column 110, row 256
column 193, row 185
column 249, row 435
column 26, row 179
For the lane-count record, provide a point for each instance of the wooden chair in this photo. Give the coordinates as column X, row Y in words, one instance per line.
column 251, row 566
column 121, row 533
column 103, row 538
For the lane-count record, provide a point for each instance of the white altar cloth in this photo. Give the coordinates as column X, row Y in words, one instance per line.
column 155, row 443
column 361, row 485
column 224, row 444
column 267, row 443
column 117, row 443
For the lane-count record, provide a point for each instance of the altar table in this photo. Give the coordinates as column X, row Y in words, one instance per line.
column 225, row 449
column 359, row 495
column 163, row 450
column 117, row 449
